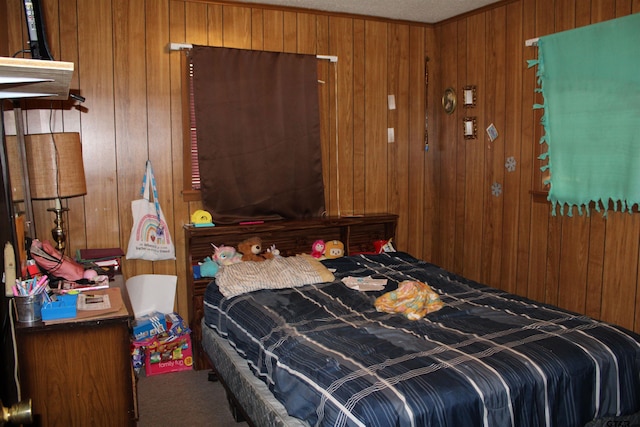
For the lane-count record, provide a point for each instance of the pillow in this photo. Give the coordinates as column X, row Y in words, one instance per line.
column 276, row 273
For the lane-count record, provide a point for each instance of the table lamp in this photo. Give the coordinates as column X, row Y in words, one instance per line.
column 56, row 171
column 17, row 414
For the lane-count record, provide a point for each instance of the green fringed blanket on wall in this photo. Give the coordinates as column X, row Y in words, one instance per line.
column 590, row 80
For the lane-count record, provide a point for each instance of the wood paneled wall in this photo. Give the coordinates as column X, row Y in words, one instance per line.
column 133, row 109
column 448, row 214
column 511, row 241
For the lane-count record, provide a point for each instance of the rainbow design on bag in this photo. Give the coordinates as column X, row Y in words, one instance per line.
column 151, row 230
column 150, row 236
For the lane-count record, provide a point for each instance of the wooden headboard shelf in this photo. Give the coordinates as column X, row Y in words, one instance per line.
column 290, row 237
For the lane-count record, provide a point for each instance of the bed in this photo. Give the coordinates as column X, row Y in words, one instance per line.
column 321, row 354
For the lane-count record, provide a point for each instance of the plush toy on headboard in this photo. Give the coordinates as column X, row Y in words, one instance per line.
column 225, row 255
column 208, row 267
column 383, row 246
column 251, row 250
column 334, row 249
column 317, row 249
column 274, row 251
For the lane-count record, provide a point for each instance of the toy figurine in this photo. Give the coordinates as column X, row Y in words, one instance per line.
column 317, row 249
column 334, row 249
column 383, row 246
column 274, row 251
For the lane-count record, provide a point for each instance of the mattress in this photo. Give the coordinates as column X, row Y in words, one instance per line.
column 487, row 358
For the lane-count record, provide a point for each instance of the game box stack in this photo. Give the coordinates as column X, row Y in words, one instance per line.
column 164, row 346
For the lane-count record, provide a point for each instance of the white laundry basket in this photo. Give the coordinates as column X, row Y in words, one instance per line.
column 152, row 292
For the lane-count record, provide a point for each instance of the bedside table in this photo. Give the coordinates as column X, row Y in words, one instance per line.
column 79, row 373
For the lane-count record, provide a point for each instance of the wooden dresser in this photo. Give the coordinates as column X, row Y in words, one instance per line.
column 78, row 373
column 290, row 237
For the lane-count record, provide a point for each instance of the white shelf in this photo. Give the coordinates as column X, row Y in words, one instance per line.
column 34, row 78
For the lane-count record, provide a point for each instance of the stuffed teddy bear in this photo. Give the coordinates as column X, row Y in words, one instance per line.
column 333, row 249
column 251, row 250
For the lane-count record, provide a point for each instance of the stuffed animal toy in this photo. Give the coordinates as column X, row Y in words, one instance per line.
column 251, row 250
column 383, row 246
column 225, row 255
column 274, row 251
column 317, row 249
column 334, row 249
column 208, row 267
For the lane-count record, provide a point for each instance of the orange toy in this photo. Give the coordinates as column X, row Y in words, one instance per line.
column 333, row 249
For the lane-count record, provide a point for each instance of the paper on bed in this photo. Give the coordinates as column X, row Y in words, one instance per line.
column 364, row 283
column 277, row 273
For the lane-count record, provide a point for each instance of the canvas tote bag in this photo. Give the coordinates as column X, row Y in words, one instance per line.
column 150, row 238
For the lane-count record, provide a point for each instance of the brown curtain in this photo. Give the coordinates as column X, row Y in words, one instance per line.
column 258, row 134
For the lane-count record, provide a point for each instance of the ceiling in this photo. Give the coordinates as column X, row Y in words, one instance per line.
column 427, row 11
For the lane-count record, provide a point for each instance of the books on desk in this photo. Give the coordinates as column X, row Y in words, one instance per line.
column 104, row 260
column 65, row 287
column 99, row 254
column 106, row 263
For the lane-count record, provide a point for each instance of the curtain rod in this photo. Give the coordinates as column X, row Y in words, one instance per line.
column 187, row 46
column 531, row 42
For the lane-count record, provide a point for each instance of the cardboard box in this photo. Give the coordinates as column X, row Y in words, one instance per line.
column 147, row 326
column 168, row 353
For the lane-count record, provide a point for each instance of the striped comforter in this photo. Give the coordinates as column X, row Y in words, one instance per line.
column 487, row 358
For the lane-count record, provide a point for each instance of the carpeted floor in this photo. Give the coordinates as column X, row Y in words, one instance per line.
column 188, row 398
column 183, row 398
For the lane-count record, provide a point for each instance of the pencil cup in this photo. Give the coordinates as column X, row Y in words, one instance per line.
column 28, row 308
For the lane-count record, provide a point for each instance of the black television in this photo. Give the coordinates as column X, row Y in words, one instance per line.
column 36, row 30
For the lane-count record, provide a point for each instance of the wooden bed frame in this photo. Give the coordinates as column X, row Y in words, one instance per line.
column 291, row 237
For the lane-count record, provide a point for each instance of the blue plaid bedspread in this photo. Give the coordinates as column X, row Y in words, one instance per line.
column 487, row 358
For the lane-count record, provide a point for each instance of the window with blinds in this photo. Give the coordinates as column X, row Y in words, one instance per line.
column 195, row 167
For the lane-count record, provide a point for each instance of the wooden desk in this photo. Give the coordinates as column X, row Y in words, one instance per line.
column 79, row 373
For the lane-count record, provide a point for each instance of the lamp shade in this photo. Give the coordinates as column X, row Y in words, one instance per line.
column 56, row 169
